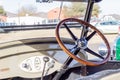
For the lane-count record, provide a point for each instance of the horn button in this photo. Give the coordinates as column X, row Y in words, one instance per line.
column 81, row 43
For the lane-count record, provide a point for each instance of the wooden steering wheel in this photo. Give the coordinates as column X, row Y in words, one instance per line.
column 82, row 42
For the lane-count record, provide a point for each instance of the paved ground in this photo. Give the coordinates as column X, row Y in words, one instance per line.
column 93, row 44
column 41, row 33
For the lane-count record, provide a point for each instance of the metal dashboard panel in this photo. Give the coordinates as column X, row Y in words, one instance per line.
column 13, row 57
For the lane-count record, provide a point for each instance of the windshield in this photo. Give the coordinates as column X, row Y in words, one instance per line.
column 23, row 17
column 36, row 18
column 37, row 12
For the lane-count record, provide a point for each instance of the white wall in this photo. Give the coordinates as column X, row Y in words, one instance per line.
column 27, row 20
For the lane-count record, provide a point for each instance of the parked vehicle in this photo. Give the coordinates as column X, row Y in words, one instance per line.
column 7, row 24
column 107, row 27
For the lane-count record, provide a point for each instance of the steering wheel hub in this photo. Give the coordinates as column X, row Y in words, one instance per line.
column 81, row 43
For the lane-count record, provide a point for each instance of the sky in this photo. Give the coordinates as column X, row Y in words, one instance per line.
column 14, row 5
column 106, row 6
column 110, row 7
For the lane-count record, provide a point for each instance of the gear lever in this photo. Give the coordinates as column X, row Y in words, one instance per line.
column 45, row 59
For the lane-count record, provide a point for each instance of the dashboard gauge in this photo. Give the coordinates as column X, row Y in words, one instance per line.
column 36, row 64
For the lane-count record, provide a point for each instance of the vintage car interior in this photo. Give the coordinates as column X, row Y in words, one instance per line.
column 59, row 57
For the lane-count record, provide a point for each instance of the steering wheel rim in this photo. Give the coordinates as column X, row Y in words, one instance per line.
column 84, row 62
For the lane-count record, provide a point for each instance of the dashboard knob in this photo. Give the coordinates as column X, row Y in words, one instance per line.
column 46, row 59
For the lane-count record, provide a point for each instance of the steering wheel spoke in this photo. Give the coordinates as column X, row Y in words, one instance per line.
column 90, row 36
column 93, row 53
column 73, row 49
column 70, row 32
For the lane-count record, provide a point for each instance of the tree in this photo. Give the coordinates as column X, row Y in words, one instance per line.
column 29, row 9
column 2, row 12
column 96, row 10
column 78, row 10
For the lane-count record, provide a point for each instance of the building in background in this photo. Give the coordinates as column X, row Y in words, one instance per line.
column 3, row 18
column 55, row 15
column 25, row 20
